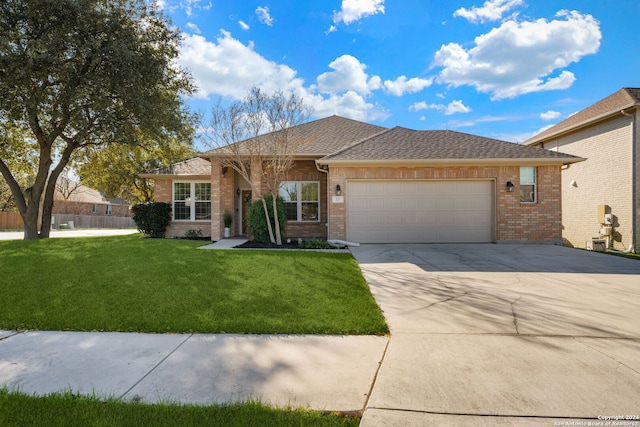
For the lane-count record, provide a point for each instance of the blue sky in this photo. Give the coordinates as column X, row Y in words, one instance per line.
column 503, row 69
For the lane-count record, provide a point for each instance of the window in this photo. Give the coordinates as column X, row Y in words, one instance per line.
column 109, row 210
column 94, row 209
column 528, row 185
column 192, row 201
column 301, row 200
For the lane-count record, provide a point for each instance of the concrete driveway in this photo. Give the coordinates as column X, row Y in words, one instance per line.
column 504, row 335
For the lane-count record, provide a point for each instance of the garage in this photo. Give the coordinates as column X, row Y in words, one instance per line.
column 422, row 211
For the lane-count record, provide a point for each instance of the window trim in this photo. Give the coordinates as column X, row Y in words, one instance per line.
column 192, row 211
column 535, row 185
column 108, row 210
column 299, row 200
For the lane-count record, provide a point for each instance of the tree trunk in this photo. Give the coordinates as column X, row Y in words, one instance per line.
column 277, row 223
column 266, row 214
column 30, row 220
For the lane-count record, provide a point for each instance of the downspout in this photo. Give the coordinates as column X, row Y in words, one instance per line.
column 327, row 195
column 634, row 178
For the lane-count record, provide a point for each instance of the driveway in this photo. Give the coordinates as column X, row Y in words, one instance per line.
column 504, row 335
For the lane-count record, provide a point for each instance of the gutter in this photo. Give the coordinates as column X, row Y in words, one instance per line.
column 452, row 162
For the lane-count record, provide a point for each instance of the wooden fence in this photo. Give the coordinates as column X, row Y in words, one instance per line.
column 13, row 221
column 93, row 221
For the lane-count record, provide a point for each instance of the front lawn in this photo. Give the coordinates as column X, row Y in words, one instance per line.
column 68, row 410
column 134, row 284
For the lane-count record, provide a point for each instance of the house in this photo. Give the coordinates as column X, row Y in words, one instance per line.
column 364, row 183
column 601, row 196
column 73, row 198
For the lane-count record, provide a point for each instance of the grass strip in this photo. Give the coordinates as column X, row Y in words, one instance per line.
column 70, row 410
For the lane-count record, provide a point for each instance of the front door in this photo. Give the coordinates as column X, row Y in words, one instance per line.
column 245, row 197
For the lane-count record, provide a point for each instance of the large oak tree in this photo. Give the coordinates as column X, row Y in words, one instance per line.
column 80, row 74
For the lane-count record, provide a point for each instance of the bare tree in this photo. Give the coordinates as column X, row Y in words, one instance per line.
column 259, row 133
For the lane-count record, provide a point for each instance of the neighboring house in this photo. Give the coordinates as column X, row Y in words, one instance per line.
column 74, row 198
column 365, row 183
column 607, row 134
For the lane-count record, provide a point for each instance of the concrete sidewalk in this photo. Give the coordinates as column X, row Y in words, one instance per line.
column 328, row 373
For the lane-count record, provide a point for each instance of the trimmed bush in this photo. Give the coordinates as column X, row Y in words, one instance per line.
column 152, row 218
column 256, row 223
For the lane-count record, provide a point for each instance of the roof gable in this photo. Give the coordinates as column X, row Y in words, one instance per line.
column 324, row 136
column 401, row 145
column 612, row 104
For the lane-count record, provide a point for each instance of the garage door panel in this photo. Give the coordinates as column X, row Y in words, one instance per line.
column 420, row 211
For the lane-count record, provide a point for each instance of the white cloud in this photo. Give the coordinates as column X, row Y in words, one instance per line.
column 550, row 115
column 518, row 58
column 403, row 85
column 417, row 106
column 193, row 27
column 244, row 25
column 229, row 68
column 454, row 107
column 354, row 10
column 226, row 67
column 264, row 16
column 491, row 10
column 348, row 75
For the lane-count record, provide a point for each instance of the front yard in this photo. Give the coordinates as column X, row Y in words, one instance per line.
column 133, row 284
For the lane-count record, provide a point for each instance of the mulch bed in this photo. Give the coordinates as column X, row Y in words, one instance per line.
column 258, row 245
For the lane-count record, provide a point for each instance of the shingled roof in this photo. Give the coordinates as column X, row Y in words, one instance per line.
column 191, row 167
column 613, row 104
column 326, row 136
column 401, row 145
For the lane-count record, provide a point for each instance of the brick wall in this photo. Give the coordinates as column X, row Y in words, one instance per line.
column 605, row 178
column 539, row 222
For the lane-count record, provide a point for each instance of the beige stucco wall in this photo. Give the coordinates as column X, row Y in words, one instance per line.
column 605, row 178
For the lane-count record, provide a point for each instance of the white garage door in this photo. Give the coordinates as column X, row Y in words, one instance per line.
column 420, row 211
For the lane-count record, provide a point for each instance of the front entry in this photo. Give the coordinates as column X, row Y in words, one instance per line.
column 245, row 198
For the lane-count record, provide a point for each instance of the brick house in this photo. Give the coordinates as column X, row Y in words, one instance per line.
column 365, row 183
column 74, row 198
column 607, row 134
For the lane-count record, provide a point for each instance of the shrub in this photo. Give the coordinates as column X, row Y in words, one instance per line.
column 193, row 234
column 256, row 223
column 227, row 218
column 152, row 218
column 315, row 244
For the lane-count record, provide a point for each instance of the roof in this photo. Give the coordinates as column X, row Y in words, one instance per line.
column 401, row 145
column 72, row 191
column 325, row 136
column 613, row 104
column 192, row 167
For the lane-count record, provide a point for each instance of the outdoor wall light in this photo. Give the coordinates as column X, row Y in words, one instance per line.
column 238, row 191
column 510, row 186
column 224, row 170
column 338, row 190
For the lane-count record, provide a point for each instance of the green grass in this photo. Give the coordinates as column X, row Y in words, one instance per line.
column 69, row 410
column 133, row 284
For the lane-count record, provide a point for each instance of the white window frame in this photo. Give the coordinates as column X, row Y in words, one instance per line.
column 299, row 200
column 192, row 210
column 534, row 183
column 94, row 208
column 108, row 210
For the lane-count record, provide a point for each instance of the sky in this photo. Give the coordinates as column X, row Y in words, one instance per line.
column 504, row 69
